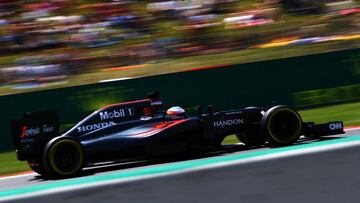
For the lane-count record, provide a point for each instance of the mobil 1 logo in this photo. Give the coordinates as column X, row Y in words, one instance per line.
column 117, row 113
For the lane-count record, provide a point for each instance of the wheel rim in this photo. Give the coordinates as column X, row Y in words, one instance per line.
column 284, row 126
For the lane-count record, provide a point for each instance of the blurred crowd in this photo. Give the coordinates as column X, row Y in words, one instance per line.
column 48, row 40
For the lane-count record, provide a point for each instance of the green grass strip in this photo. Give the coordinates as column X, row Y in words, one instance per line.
column 10, row 164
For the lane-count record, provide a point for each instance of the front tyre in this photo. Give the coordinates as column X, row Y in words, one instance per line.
column 281, row 125
column 63, row 157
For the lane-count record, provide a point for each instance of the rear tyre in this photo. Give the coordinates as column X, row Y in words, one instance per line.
column 37, row 167
column 281, row 125
column 63, row 156
column 250, row 138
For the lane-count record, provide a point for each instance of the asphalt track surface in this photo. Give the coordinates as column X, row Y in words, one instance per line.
column 326, row 176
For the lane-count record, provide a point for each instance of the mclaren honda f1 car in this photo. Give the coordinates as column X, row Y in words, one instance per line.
column 139, row 129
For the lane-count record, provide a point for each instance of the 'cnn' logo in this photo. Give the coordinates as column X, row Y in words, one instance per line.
column 335, row 126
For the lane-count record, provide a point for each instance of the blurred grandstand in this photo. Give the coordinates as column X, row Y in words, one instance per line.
column 48, row 41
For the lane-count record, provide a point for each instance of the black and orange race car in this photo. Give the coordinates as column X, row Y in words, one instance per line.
column 138, row 130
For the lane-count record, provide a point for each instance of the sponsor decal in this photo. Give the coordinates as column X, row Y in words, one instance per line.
column 48, row 129
column 147, row 111
column 29, row 131
column 233, row 112
column 23, row 132
column 26, row 140
column 26, row 131
column 117, row 113
column 230, row 122
column 156, row 103
column 335, row 126
column 145, row 118
column 95, row 126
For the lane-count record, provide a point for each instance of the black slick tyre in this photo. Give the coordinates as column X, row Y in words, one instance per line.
column 281, row 125
column 37, row 167
column 250, row 138
column 63, row 157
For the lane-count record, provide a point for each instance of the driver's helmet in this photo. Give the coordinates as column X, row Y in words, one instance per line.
column 175, row 111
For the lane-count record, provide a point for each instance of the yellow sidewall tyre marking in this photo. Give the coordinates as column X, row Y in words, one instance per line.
column 271, row 134
column 52, row 152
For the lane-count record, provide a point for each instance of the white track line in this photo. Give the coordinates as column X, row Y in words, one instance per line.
column 17, row 176
column 116, row 79
column 352, row 129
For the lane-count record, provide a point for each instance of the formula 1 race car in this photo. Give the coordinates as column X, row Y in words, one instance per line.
column 140, row 130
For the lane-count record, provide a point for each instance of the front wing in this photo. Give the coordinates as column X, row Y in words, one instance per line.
column 330, row 128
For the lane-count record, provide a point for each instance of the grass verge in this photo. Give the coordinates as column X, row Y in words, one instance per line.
column 349, row 113
column 9, row 164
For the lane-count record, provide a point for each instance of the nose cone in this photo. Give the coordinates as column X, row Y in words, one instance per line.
column 176, row 110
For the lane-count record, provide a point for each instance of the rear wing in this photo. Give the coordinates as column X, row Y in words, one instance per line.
column 32, row 131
